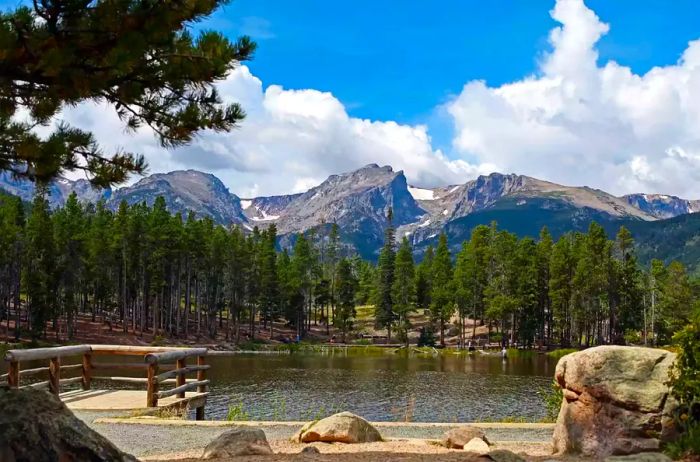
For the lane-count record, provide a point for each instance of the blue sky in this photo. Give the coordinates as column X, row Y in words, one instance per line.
column 398, row 60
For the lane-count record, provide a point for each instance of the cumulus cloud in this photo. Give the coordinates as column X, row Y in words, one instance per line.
column 579, row 122
column 291, row 140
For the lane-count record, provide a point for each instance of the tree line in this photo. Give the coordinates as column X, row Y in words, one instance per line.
column 580, row 290
column 146, row 270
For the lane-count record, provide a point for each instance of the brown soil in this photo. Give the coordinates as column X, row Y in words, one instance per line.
column 397, row 450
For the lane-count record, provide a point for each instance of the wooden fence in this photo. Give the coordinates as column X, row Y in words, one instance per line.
column 162, row 365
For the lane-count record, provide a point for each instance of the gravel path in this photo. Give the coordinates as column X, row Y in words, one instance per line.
column 144, row 440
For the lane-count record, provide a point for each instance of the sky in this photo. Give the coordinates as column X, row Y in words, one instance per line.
column 602, row 93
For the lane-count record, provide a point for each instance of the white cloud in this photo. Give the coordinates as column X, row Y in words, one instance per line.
column 290, row 141
column 578, row 122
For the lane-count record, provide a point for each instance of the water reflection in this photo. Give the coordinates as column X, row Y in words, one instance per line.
column 446, row 388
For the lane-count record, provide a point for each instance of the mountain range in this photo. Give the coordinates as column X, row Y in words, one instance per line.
column 359, row 201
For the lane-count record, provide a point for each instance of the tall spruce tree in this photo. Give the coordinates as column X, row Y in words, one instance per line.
column 40, row 263
column 347, row 284
column 403, row 291
column 442, row 296
column 384, row 306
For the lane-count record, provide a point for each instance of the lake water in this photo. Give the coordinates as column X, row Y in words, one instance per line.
column 385, row 387
column 378, row 386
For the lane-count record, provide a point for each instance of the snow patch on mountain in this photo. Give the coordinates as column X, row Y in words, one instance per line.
column 421, row 194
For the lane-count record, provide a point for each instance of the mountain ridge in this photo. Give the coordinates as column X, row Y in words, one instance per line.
column 359, row 200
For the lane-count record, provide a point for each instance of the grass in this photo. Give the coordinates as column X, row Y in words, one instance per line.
column 560, row 352
column 523, row 354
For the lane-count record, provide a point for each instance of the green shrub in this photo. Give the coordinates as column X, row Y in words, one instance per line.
column 632, row 337
column 427, row 337
column 553, row 396
column 237, row 412
column 685, row 387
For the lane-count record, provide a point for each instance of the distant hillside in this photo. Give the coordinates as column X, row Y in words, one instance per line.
column 676, row 238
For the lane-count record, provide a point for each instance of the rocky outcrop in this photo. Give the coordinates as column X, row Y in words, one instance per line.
column 615, row 402
column 185, row 191
column 36, row 426
column 344, row 427
column 456, row 438
column 238, row 442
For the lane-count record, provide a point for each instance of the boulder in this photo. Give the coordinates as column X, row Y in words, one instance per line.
column 456, row 438
column 238, row 442
column 616, row 401
column 477, row 446
column 344, row 427
column 310, row 450
column 36, row 426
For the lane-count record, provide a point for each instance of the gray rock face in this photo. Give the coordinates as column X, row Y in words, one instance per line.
column 58, row 190
column 661, row 205
column 263, row 209
column 35, row 426
column 185, row 191
column 615, row 402
column 238, row 442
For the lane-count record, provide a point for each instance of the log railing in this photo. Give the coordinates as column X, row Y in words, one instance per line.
column 155, row 359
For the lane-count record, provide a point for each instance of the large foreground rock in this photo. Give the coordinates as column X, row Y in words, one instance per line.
column 344, row 427
column 615, row 401
column 238, row 442
column 35, row 426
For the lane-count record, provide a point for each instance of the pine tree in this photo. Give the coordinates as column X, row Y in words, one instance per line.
column 12, row 227
column 269, row 284
column 384, row 306
column 40, row 264
column 347, row 285
column 629, row 293
column 561, row 273
column 139, row 56
column 302, row 276
column 403, row 292
column 442, row 296
column 69, row 230
column 424, row 278
column 544, row 302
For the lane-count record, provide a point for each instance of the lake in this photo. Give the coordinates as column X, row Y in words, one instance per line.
column 379, row 387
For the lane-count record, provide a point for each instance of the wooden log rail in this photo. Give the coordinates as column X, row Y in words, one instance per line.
column 158, row 359
column 155, row 358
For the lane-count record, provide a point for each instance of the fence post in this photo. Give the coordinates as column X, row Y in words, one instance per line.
column 201, row 375
column 13, row 374
column 180, row 378
column 152, row 390
column 55, row 375
column 87, row 370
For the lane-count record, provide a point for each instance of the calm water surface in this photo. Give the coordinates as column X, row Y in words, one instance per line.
column 387, row 387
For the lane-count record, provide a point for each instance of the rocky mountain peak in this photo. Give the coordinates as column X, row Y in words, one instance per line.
column 662, row 205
